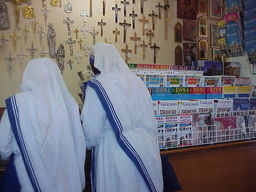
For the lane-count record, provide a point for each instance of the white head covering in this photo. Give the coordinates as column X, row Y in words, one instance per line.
column 108, row 59
column 53, row 134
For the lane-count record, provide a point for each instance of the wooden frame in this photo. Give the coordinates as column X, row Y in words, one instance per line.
column 189, row 30
column 203, row 49
column 202, row 26
column 178, row 33
column 215, row 9
column 202, row 7
column 187, row 9
column 216, row 54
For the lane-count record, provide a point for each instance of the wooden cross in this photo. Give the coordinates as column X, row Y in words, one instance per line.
column 70, row 62
column 125, row 3
column 21, row 56
column 155, row 47
column 94, row 33
column 80, row 43
column 150, row 34
column 116, row 32
column 125, row 26
column 32, row 50
column 143, row 20
column 26, row 31
column 3, row 40
column 104, row 7
column 133, row 16
column 76, row 32
column 142, row 6
column 153, row 15
column 14, row 38
column 34, row 23
column 126, row 51
column 159, row 6
column 90, row 6
column 68, row 21
column 166, row 8
column 9, row 61
column 70, row 42
column 41, row 35
column 116, row 9
column 45, row 13
column 144, row 46
column 84, row 14
column 43, row 52
column 135, row 39
column 101, row 24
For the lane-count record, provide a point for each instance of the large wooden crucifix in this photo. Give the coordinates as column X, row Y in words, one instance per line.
column 143, row 20
column 150, row 34
column 101, row 24
column 116, row 9
column 116, row 32
column 125, row 3
column 135, row 39
column 159, row 7
column 133, row 16
column 153, row 15
column 125, row 26
column 144, row 46
column 155, row 48
column 126, row 51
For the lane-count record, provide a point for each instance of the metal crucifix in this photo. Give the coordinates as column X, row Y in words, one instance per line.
column 153, row 15
column 144, row 46
column 150, row 34
column 68, row 21
column 76, row 31
column 159, row 6
column 135, row 39
column 127, row 51
column 101, row 24
column 70, row 62
column 142, row 6
column 133, row 16
column 125, row 3
column 14, row 38
column 125, row 26
column 70, row 43
column 84, row 14
column 94, row 33
column 116, row 32
column 34, row 23
column 155, row 47
column 45, row 13
column 21, row 56
column 80, row 41
column 26, row 31
column 103, row 7
column 41, row 35
column 143, row 20
column 116, row 9
column 32, row 50
column 9, row 60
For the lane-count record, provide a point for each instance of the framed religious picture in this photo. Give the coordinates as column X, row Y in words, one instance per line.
column 203, row 49
column 187, row 9
column 178, row 55
column 202, row 24
column 189, row 30
column 203, row 7
column 189, row 53
column 214, row 35
column 216, row 54
column 215, row 9
column 178, row 33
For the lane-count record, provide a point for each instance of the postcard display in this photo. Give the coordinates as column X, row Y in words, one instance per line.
column 193, row 109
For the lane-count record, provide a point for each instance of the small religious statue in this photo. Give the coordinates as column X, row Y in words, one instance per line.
column 51, row 40
column 60, row 56
column 4, row 19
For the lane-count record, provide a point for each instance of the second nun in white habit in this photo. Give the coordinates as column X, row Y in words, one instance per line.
column 120, row 127
column 42, row 127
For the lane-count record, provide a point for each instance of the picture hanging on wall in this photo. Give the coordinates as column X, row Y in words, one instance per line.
column 178, row 33
column 189, row 30
column 215, row 36
column 178, row 55
column 202, row 26
column 203, row 49
column 187, row 9
column 216, row 54
column 215, row 9
column 203, row 7
column 189, row 53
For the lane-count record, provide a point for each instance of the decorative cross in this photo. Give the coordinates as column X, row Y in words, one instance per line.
column 78, row 57
column 21, row 56
column 87, row 49
column 142, row 6
column 41, row 35
column 143, row 20
column 76, row 32
column 125, row 26
column 150, row 34
column 159, row 6
column 9, row 61
column 68, row 21
column 133, row 15
column 104, row 7
column 45, row 13
column 135, row 39
column 3, row 40
column 116, row 9
column 166, row 8
column 101, row 24
column 14, row 38
column 43, row 52
column 144, row 46
column 155, row 47
column 70, row 62
column 70, row 42
column 125, row 3
column 94, row 33
column 116, row 32
column 80, row 43
column 32, row 50
column 127, row 52
column 153, row 15
column 68, row 7
column 26, row 31
column 34, row 23
column 84, row 14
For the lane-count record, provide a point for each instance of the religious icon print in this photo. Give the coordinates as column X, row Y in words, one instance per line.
column 215, row 9
column 189, row 30
column 202, row 26
column 178, row 55
column 215, row 35
column 189, row 53
column 203, row 7
column 203, row 49
column 178, row 33
column 187, row 9
column 216, row 54
column 4, row 18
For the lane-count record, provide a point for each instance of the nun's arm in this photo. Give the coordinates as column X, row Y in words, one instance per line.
column 6, row 137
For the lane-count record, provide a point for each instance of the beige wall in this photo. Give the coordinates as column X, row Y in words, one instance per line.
column 9, row 83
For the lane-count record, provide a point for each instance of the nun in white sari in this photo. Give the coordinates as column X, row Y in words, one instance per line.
column 42, row 127
column 120, row 128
